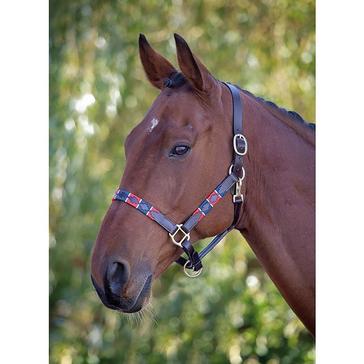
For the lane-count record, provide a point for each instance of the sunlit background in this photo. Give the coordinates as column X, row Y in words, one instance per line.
column 233, row 313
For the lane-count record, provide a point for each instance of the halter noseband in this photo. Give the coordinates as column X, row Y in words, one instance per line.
column 180, row 233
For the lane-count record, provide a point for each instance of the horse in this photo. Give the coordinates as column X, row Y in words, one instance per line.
column 178, row 153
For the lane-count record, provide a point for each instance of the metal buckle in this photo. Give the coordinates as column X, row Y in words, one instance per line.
column 240, row 136
column 191, row 275
column 185, row 235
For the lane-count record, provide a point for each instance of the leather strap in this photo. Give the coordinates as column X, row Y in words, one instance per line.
column 211, row 200
column 239, row 141
column 145, row 208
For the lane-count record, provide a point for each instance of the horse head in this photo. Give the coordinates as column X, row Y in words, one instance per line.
column 174, row 156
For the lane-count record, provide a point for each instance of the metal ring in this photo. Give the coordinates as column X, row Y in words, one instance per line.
column 193, row 275
column 243, row 170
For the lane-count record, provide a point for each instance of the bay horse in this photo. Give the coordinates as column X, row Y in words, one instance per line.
column 182, row 150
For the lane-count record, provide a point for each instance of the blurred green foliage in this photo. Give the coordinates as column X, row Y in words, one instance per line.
column 98, row 92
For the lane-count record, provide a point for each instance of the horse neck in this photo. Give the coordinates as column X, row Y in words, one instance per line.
column 278, row 214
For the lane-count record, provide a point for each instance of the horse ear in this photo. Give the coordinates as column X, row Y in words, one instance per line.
column 156, row 67
column 192, row 67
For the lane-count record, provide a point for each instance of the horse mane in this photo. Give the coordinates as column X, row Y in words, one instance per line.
column 177, row 79
column 293, row 115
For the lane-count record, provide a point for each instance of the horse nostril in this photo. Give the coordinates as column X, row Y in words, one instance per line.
column 117, row 275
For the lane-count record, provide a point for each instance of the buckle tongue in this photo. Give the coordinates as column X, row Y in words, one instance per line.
column 183, row 238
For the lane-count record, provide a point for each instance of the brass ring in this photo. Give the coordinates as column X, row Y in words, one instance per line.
column 193, row 275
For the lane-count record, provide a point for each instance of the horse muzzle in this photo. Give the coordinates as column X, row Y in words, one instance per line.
column 113, row 294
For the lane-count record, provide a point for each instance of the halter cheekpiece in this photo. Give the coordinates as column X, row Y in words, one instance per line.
column 180, row 233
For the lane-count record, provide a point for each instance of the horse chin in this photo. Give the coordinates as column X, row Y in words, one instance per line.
column 141, row 300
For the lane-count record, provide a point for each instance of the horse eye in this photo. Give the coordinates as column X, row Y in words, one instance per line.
column 179, row 150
